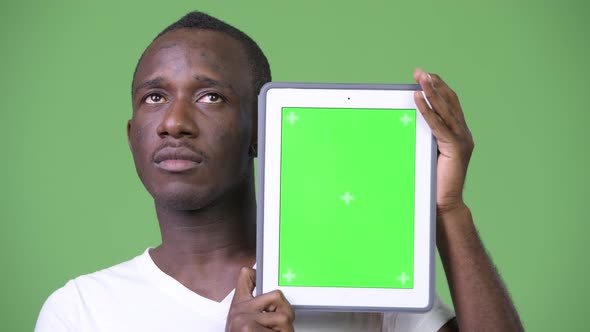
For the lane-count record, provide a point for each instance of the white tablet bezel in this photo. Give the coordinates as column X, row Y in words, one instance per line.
column 275, row 96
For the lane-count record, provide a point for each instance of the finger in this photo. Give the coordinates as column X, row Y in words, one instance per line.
column 247, row 322
column 275, row 320
column 443, row 89
column 245, row 285
column 439, row 128
column 438, row 103
column 273, row 301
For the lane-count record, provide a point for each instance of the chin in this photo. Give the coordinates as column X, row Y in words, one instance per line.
column 182, row 196
column 188, row 196
column 182, row 201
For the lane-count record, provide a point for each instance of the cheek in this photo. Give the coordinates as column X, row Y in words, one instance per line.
column 232, row 142
column 141, row 140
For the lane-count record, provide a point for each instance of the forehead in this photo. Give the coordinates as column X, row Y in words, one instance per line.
column 199, row 52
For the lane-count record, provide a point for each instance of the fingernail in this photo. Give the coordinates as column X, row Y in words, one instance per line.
column 430, row 80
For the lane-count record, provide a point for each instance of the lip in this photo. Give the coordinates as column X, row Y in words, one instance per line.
column 177, row 165
column 179, row 159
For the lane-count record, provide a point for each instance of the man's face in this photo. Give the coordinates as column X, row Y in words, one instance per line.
column 192, row 122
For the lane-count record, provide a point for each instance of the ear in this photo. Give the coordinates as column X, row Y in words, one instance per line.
column 129, row 133
column 253, row 148
column 254, row 139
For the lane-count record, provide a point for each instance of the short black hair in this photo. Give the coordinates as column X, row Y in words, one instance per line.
column 258, row 62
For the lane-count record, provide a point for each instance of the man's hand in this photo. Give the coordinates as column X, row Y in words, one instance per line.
column 479, row 296
column 267, row 312
column 455, row 143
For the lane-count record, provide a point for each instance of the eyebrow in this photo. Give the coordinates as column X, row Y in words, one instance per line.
column 201, row 78
column 156, row 81
column 213, row 82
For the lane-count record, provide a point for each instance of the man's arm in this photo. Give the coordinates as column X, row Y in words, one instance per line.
column 480, row 299
column 479, row 296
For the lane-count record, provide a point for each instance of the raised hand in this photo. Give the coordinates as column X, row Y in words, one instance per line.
column 455, row 143
column 266, row 312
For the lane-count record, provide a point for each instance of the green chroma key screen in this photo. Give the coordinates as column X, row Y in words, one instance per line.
column 347, row 198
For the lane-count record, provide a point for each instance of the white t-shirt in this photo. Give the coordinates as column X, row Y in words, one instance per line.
column 137, row 296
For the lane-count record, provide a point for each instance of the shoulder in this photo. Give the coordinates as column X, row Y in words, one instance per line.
column 60, row 312
column 124, row 274
column 431, row 320
column 64, row 308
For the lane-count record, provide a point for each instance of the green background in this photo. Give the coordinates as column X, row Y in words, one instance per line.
column 71, row 202
column 328, row 153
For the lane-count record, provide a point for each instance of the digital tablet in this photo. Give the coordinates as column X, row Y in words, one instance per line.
column 346, row 197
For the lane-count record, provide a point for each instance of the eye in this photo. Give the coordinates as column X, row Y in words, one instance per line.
column 155, row 98
column 211, row 98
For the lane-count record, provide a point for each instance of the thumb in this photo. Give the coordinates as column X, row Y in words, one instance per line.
column 245, row 285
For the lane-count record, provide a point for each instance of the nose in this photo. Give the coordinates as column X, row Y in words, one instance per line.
column 178, row 121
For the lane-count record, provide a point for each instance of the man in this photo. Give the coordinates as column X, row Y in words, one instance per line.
column 193, row 139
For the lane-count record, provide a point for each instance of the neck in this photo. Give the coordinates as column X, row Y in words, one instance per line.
column 224, row 229
column 211, row 240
